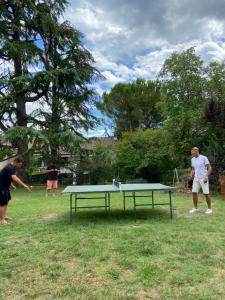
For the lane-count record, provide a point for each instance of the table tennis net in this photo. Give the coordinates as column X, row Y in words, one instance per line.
column 117, row 183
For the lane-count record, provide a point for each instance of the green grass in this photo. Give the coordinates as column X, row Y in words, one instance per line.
column 43, row 257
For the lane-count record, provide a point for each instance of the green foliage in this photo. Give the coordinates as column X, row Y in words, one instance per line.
column 62, row 142
column 132, row 105
column 143, row 154
column 99, row 164
column 49, row 68
column 214, row 114
column 67, row 65
column 5, row 152
column 183, row 82
column 27, row 134
column 69, row 141
column 34, row 138
column 215, row 93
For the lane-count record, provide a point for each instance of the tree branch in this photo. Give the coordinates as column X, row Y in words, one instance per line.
column 35, row 98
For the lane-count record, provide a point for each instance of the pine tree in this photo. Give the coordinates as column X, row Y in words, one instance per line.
column 18, row 53
column 43, row 65
column 67, row 72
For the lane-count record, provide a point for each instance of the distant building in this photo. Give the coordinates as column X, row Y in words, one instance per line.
column 66, row 157
column 92, row 142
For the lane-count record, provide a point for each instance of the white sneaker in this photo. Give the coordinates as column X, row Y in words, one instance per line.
column 193, row 210
column 209, row 211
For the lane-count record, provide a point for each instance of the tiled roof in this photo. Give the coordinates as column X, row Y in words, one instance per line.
column 92, row 142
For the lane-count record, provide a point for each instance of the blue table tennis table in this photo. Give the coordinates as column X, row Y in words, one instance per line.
column 103, row 192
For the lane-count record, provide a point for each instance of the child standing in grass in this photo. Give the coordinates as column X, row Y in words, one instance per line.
column 52, row 177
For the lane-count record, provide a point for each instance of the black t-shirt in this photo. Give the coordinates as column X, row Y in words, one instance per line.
column 5, row 176
column 52, row 175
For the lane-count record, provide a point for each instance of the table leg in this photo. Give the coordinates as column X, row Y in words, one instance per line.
column 152, row 199
column 171, row 208
column 71, row 204
column 124, row 201
column 75, row 202
column 109, row 212
column 135, row 210
column 106, row 202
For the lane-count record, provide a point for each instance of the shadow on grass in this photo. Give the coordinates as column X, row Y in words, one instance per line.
column 117, row 215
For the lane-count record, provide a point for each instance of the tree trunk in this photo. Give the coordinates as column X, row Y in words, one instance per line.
column 22, row 145
column 55, row 126
column 222, row 186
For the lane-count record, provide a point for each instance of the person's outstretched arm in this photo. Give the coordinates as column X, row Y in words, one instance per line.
column 20, row 182
column 13, row 186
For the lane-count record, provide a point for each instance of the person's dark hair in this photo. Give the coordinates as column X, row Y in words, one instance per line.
column 195, row 148
column 19, row 160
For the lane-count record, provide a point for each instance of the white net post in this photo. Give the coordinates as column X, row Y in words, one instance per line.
column 176, row 177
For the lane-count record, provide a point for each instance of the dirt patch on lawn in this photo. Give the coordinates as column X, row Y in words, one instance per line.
column 150, row 294
column 49, row 217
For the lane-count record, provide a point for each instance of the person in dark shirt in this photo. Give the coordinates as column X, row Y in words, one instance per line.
column 52, row 178
column 7, row 176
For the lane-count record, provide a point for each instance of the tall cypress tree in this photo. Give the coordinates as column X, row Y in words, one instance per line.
column 43, row 64
column 17, row 53
column 67, row 72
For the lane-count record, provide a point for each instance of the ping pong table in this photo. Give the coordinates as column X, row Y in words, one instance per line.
column 103, row 192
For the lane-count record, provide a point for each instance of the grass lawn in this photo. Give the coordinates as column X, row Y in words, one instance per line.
column 44, row 257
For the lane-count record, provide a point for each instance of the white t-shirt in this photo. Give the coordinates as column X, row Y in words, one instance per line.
column 199, row 164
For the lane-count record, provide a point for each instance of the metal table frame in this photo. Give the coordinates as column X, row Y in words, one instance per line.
column 128, row 190
column 135, row 197
column 75, row 207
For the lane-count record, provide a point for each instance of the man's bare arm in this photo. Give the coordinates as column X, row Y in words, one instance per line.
column 209, row 171
column 192, row 173
column 13, row 186
column 20, row 182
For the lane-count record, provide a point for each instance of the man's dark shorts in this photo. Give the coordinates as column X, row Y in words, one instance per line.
column 4, row 197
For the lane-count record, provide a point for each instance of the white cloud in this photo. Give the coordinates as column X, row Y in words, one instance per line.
column 148, row 66
column 112, row 79
column 98, row 132
column 132, row 39
column 122, row 29
column 211, row 51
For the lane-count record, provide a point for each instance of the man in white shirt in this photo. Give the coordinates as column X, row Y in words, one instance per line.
column 201, row 169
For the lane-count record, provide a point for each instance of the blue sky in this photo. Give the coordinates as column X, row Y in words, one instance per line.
column 130, row 38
